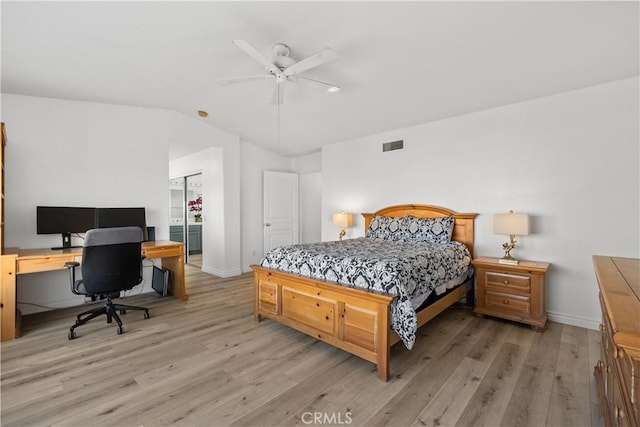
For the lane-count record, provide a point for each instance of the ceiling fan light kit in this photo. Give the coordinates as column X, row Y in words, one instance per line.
column 283, row 67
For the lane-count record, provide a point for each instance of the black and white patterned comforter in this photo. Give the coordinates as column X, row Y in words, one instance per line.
column 404, row 269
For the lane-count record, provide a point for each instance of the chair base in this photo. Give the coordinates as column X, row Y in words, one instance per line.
column 110, row 310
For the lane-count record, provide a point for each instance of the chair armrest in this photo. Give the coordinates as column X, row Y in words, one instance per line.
column 71, row 266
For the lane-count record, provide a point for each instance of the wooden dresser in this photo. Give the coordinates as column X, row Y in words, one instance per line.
column 616, row 372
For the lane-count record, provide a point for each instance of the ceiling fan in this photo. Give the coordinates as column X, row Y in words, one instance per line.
column 283, row 68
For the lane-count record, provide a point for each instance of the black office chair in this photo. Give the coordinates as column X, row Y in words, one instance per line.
column 111, row 263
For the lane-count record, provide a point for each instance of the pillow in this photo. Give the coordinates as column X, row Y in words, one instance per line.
column 430, row 230
column 386, row 227
column 411, row 229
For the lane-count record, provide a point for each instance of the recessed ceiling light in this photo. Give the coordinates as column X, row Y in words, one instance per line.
column 333, row 89
column 203, row 113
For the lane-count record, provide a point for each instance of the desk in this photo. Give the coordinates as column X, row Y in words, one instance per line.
column 26, row 261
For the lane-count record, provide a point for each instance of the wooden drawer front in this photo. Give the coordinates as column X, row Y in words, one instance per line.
column 268, row 297
column 607, row 345
column 32, row 265
column 621, row 417
column 360, row 326
column 508, row 282
column 161, row 252
column 629, row 379
column 508, row 302
column 309, row 309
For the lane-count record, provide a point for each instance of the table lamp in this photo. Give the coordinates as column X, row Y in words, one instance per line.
column 342, row 220
column 511, row 224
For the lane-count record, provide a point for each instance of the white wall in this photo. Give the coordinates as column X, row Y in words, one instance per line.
column 309, row 163
column 70, row 153
column 310, row 185
column 309, row 168
column 569, row 160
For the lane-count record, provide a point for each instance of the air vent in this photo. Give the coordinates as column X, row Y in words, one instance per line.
column 394, row 145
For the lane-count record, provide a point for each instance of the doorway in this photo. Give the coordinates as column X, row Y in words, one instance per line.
column 185, row 216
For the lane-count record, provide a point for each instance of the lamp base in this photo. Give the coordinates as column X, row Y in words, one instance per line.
column 507, row 261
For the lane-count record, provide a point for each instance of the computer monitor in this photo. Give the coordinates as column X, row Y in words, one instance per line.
column 121, row 217
column 64, row 220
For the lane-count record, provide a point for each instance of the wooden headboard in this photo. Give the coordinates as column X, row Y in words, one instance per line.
column 462, row 229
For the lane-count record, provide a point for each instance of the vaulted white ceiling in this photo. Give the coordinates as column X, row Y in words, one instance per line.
column 400, row 63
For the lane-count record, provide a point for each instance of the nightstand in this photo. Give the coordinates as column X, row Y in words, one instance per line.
column 514, row 292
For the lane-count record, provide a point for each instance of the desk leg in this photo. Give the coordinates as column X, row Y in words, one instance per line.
column 8, row 298
column 176, row 265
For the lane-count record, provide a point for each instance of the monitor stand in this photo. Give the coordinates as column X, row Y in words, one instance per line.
column 66, row 243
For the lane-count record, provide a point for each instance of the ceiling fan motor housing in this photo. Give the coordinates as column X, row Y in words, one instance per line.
column 281, row 49
column 281, row 58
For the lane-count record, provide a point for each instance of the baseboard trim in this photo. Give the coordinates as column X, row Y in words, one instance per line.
column 221, row 273
column 26, row 308
column 574, row 321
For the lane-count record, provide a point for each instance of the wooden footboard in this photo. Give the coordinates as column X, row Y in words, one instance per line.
column 350, row 319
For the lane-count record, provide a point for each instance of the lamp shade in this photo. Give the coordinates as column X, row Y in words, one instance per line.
column 343, row 220
column 511, row 223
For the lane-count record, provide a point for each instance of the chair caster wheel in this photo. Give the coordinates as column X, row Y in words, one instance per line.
column 123, row 311
column 120, row 330
column 71, row 335
column 146, row 314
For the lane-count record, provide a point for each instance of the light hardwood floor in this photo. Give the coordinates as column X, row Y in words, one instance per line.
column 195, row 260
column 206, row 362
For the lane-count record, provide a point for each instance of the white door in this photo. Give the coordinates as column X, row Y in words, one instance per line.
column 280, row 209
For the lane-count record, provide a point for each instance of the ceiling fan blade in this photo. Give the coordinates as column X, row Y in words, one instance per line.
column 328, row 86
column 255, row 54
column 224, row 82
column 278, row 94
column 325, row 55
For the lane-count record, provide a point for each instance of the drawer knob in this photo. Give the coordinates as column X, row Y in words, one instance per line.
column 506, row 282
column 505, row 301
column 617, row 412
column 601, row 327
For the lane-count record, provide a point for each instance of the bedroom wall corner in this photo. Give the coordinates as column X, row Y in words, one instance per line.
column 255, row 160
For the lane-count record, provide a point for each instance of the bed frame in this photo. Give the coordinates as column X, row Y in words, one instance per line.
column 351, row 319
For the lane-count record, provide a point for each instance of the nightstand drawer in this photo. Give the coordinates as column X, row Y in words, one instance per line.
column 508, row 302
column 508, row 282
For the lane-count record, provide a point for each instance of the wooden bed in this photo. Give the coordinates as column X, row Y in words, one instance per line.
column 351, row 319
